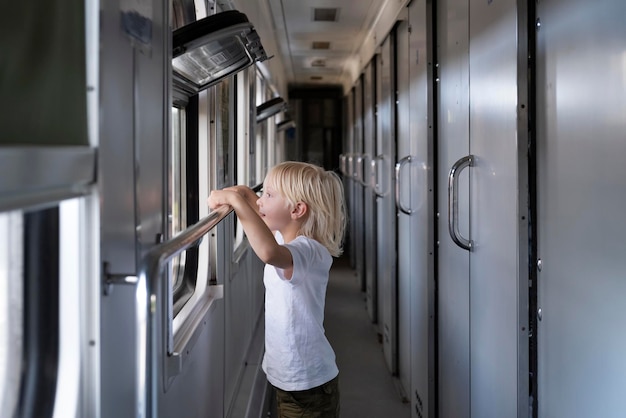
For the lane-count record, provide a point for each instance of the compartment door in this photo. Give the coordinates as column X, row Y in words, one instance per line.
column 358, row 184
column 420, row 260
column 453, row 262
column 407, row 225
column 385, row 203
column 498, row 280
column 483, row 290
column 369, row 198
column 581, row 103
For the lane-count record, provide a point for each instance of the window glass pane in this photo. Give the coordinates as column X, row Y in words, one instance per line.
column 189, row 186
column 252, row 176
column 223, row 133
column 270, row 137
column 11, row 310
column 41, row 310
column 177, row 211
column 260, row 91
column 261, row 134
column 244, row 96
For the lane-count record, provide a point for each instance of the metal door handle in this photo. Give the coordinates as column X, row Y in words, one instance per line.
column 351, row 166
column 399, row 166
column 374, row 178
column 361, row 169
column 453, row 202
column 358, row 169
column 342, row 164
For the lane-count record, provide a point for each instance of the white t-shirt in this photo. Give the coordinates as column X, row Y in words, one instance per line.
column 297, row 354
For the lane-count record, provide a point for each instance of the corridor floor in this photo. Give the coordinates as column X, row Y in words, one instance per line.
column 367, row 388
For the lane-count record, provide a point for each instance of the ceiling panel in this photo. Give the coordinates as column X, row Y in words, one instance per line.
column 294, row 20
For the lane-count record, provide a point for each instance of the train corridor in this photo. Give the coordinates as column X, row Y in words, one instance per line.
column 367, row 388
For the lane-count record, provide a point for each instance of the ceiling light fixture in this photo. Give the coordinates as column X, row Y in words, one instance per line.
column 270, row 108
column 210, row 49
column 286, row 124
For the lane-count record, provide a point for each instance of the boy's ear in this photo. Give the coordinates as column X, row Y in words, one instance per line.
column 299, row 210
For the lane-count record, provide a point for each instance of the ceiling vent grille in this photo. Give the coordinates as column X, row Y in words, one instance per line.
column 321, row 45
column 325, row 15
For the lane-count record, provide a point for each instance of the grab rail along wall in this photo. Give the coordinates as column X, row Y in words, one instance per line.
column 152, row 314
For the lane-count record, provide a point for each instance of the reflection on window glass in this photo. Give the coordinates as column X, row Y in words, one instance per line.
column 270, row 137
column 11, row 309
column 252, row 176
column 261, row 135
column 245, row 106
column 223, row 132
column 177, row 211
column 183, row 199
column 239, row 145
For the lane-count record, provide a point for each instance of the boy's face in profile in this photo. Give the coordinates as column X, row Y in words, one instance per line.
column 274, row 209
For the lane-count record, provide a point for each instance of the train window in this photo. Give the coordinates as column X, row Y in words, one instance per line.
column 241, row 148
column 75, row 256
column 261, row 133
column 11, row 310
column 270, row 139
column 250, row 138
column 41, row 326
column 255, row 176
column 184, row 177
column 245, row 141
column 177, row 212
column 224, row 132
column 191, row 126
column 45, row 254
column 183, row 200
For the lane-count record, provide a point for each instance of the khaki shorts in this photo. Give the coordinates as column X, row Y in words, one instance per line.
column 319, row 402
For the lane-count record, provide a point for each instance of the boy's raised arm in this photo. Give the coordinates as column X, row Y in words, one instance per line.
column 259, row 235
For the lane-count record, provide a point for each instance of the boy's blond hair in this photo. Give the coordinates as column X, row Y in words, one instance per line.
column 322, row 191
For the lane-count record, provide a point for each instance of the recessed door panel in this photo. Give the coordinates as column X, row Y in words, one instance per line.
column 369, row 198
column 581, row 195
column 358, row 184
column 385, row 204
column 407, row 230
column 483, row 287
column 421, row 206
column 497, row 302
column 453, row 262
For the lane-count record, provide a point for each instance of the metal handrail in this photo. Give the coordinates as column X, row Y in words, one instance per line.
column 149, row 304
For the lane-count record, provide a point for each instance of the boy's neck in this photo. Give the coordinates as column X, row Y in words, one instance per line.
column 290, row 232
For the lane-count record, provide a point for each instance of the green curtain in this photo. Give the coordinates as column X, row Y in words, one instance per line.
column 43, row 73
